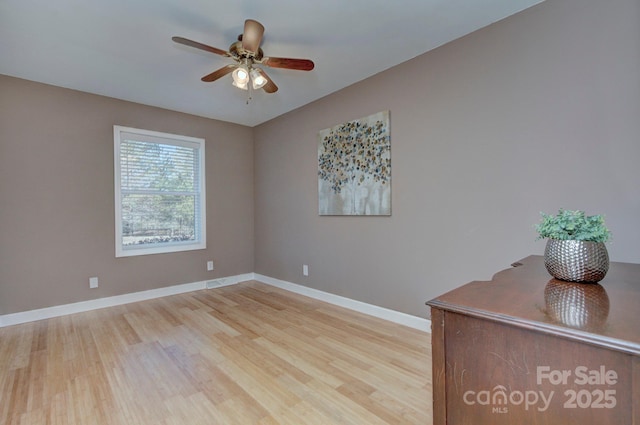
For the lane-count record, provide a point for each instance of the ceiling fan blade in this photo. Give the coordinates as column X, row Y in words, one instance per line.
column 252, row 36
column 191, row 43
column 270, row 87
column 219, row 73
column 288, row 63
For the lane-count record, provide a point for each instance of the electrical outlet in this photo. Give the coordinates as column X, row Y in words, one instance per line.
column 209, row 265
column 305, row 270
column 93, row 282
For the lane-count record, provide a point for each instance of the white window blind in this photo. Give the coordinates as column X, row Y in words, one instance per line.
column 160, row 196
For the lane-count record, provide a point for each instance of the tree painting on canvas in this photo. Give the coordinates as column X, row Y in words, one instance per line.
column 354, row 167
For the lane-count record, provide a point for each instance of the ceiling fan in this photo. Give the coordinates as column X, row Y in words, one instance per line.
column 246, row 52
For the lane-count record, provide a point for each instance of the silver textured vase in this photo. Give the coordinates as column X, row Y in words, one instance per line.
column 576, row 261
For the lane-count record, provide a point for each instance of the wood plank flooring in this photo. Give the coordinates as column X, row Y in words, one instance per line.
column 242, row 354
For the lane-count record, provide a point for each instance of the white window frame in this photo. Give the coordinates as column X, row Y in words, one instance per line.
column 201, row 225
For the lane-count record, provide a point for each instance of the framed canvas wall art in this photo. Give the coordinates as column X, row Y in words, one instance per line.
column 354, row 167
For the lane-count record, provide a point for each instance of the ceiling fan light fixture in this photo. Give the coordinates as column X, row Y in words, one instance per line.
column 240, row 76
column 257, row 79
column 246, row 52
column 242, row 86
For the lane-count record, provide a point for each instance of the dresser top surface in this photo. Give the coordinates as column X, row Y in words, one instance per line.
column 605, row 313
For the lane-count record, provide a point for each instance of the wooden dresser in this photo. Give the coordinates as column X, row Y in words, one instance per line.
column 525, row 348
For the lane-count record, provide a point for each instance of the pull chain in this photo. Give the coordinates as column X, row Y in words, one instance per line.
column 249, row 84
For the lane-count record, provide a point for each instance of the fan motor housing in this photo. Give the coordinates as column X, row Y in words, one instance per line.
column 237, row 51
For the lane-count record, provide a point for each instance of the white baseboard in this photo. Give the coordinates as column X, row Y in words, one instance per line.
column 79, row 307
column 82, row 306
column 372, row 310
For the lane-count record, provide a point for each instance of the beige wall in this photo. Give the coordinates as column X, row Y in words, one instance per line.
column 57, row 201
column 536, row 112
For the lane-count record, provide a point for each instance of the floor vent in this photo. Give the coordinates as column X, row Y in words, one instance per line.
column 216, row 283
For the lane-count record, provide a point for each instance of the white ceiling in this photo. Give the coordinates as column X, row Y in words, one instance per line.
column 123, row 48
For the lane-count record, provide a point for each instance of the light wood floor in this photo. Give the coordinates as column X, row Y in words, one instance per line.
column 242, row 354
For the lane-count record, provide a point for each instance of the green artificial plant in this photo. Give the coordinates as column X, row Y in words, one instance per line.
column 573, row 225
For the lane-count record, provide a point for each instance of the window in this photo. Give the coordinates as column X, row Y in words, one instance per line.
column 159, row 192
